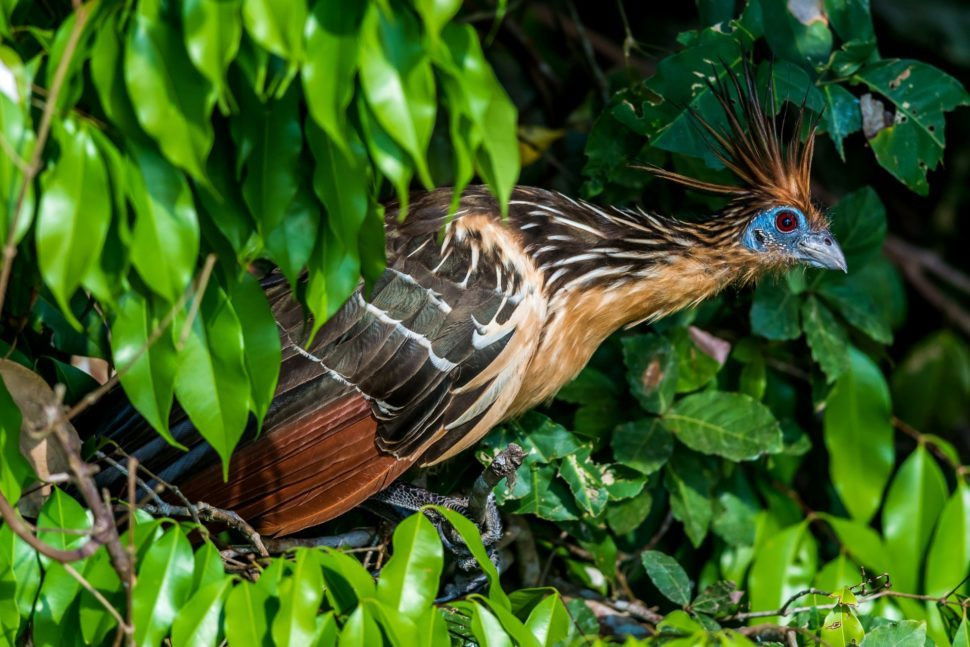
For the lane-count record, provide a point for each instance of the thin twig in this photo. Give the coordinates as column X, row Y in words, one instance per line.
column 96, row 593
column 934, row 447
column 206, row 512
column 43, row 131
column 200, row 285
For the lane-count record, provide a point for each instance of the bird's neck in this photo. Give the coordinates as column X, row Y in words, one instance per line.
column 606, row 268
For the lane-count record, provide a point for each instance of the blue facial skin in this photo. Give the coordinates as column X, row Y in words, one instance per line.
column 785, row 230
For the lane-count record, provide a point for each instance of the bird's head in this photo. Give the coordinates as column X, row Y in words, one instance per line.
column 770, row 219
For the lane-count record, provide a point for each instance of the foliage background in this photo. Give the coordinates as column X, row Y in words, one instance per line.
column 778, row 438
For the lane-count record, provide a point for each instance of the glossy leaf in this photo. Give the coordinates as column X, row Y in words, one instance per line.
column 864, row 544
column 199, row 622
column 174, row 99
column 147, row 376
column 668, row 576
column 165, row 219
column 948, row 558
column 163, row 586
column 212, row 30
column 332, row 42
column 261, row 342
column 409, row 580
column 398, row 82
column 473, row 541
column 211, row 383
column 841, row 627
column 784, row 564
column 859, row 436
column 841, row 117
column 245, row 620
column 902, row 632
column 271, row 170
column 549, row 621
column 300, row 595
column 277, row 25
column 208, row 567
column 341, row 181
column 731, row 425
column 914, row 501
column 74, row 212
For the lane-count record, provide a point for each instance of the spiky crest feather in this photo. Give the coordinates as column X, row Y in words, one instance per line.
column 772, row 170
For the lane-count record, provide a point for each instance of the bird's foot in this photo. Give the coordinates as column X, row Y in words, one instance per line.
column 479, row 506
column 406, row 499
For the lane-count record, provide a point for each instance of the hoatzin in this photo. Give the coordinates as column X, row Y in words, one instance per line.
column 477, row 318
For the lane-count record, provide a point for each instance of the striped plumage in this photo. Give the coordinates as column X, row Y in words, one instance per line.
column 478, row 318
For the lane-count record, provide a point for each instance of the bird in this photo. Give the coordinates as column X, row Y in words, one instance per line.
column 480, row 316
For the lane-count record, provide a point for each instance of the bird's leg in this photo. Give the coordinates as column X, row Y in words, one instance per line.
column 479, row 506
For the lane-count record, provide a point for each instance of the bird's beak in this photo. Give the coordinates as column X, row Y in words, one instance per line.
column 819, row 249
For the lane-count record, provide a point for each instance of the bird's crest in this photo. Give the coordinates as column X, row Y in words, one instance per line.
column 774, row 168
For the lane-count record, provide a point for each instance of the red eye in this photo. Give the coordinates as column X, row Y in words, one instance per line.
column 786, row 222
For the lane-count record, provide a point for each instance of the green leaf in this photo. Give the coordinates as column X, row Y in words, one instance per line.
column 360, row 630
column 15, row 125
column 60, row 513
column 173, row 100
column 213, row 29
column 277, row 25
column 859, row 224
column 784, row 564
column 549, row 621
column 921, row 94
column 334, row 274
column 261, row 342
column 689, row 485
column 347, row 582
column 165, row 219
column 147, row 376
column 962, row 637
column 272, row 167
column 841, row 627
column 332, row 35
column 914, row 501
column 292, row 242
column 436, row 14
column 797, row 32
column 731, row 425
column 585, row 480
column 207, row 567
column 695, row 367
column 826, row 337
column 863, row 543
column 198, row 622
column 932, row 384
column 948, row 558
column 859, row 436
column 643, row 445
column 392, row 160
column 398, row 82
column 300, row 596
column 651, row 370
column 538, row 491
column 245, row 621
column 409, row 581
column 211, row 381
column 841, row 117
column 668, row 576
column 902, row 633
column 74, row 212
column 341, row 179
column 15, row 471
column 855, row 299
column 163, row 585
column 487, row 629
column 774, row 312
